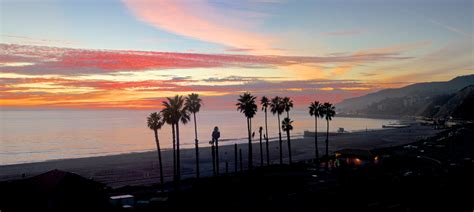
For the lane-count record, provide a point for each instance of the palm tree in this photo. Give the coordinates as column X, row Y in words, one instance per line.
column 155, row 122
column 276, row 107
column 287, row 104
column 261, row 147
column 178, row 113
column 246, row 105
column 286, row 126
column 193, row 104
column 264, row 101
column 168, row 119
column 315, row 109
column 329, row 111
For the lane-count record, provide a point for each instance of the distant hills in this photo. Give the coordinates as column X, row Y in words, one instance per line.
column 460, row 106
column 430, row 99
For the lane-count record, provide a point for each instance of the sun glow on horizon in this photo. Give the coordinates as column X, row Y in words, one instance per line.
column 220, row 49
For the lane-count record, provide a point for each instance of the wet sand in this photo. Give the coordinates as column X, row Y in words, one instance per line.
column 142, row 168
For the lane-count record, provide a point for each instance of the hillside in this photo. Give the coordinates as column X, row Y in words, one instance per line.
column 416, row 99
column 459, row 106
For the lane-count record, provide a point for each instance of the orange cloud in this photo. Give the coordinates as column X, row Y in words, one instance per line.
column 326, row 89
column 75, row 92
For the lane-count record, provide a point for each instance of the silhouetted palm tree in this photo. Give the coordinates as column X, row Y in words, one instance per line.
column 329, row 111
column 288, row 104
column 265, row 103
column 276, row 107
column 261, row 146
column 246, row 105
column 178, row 113
column 168, row 119
column 155, row 122
column 193, row 104
column 286, row 126
column 315, row 109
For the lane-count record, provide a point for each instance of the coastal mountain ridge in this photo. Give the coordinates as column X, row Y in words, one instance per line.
column 430, row 99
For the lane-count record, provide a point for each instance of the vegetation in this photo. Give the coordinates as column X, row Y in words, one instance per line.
column 287, row 104
column 276, row 107
column 265, row 102
column 155, row 122
column 193, row 104
column 287, row 126
column 315, row 109
column 329, row 111
column 246, row 105
column 176, row 112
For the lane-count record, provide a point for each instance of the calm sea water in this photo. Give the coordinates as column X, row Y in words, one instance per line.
column 31, row 136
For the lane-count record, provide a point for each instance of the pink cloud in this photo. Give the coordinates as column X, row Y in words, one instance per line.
column 78, row 61
column 199, row 20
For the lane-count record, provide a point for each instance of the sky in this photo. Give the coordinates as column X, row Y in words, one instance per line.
column 131, row 54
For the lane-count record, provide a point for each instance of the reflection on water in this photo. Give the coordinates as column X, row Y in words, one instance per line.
column 28, row 136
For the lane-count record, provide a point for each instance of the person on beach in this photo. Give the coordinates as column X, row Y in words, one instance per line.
column 216, row 134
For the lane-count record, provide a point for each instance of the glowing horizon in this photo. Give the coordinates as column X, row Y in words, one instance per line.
column 134, row 53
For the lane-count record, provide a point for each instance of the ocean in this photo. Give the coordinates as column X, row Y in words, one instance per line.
column 40, row 135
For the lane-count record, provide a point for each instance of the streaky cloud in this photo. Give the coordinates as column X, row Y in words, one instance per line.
column 69, row 61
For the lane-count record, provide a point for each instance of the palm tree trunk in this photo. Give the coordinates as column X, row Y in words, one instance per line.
column 327, row 145
column 266, row 138
column 316, row 151
column 289, row 145
column 261, row 149
column 288, row 138
column 159, row 159
column 178, row 156
column 196, row 146
column 280, row 142
column 217, row 156
column 174, row 151
column 250, row 162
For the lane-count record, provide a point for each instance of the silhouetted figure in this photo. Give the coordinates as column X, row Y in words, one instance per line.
column 213, row 154
column 216, row 134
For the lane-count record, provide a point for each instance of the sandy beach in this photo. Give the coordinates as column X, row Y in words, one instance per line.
column 142, row 168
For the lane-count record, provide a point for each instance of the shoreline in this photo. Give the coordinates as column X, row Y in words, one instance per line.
column 225, row 142
column 142, row 168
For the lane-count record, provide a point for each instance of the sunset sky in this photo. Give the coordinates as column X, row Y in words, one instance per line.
column 133, row 53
